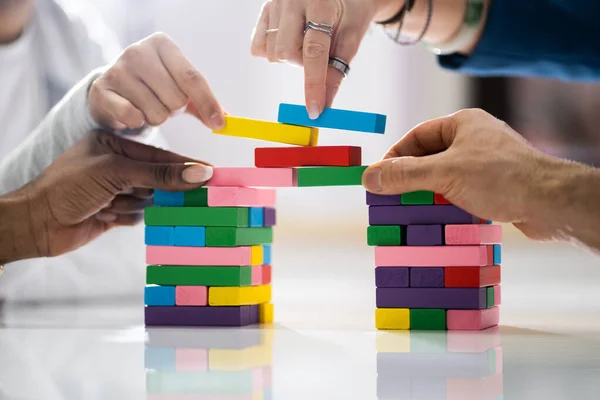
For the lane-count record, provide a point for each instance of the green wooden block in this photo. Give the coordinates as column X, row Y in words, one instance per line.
column 196, row 216
column 330, row 176
column 229, row 237
column 417, row 198
column 490, row 296
column 219, row 383
column 384, row 235
column 196, row 198
column 198, row 276
column 427, row 319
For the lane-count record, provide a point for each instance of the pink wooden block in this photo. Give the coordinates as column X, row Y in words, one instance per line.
column 257, row 275
column 497, row 295
column 191, row 295
column 191, row 359
column 427, row 256
column 197, row 256
column 487, row 388
column 258, row 177
column 472, row 320
column 240, row 197
column 473, row 342
column 473, row 234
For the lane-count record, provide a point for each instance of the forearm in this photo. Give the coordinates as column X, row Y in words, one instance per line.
column 17, row 239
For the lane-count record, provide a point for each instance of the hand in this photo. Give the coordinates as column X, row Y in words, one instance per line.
column 149, row 82
column 90, row 189
column 484, row 167
column 350, row 19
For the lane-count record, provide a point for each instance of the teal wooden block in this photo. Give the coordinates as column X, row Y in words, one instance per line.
column 267, row 254
column 159, row 295
column 256, row 217
column 173, row 199
column 159, row 235
column 194, row 236
column 497, row 254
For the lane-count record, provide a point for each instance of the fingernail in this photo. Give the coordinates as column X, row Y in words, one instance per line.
column 313, row 110
column 372, row 180
column 217, row 121
column 197, row 173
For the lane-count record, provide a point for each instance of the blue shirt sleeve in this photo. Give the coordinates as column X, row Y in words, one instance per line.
column 557, row 39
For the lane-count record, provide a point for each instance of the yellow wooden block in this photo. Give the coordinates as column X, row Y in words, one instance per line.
column 265, row 313
column 393, row 342
column 392, row 318
column 256, row 255
column 269, row 131
column 235, row 360
column 238, row 296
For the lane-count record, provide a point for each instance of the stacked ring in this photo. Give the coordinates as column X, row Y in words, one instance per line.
column 340, row 65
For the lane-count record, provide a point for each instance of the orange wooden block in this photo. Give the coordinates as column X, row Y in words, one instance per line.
column 266, row 274
column 472, row 276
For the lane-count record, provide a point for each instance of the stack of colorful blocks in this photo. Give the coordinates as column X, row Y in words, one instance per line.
column 437, row 266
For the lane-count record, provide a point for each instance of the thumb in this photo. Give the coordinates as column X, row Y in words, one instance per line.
column 403, row 175
column 172, row 177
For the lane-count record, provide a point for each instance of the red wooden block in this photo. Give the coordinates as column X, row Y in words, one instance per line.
column 266, row 274
column 273, row 157
column 439, row 199
column 465, row 277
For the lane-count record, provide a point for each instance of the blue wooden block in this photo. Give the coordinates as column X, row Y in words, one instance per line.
column 171, row 199
column 333, row 118
column 194, row 236
column 497, row 254
column 266, row 254
column 256, row 217
column 159, row 235
column 159, row 295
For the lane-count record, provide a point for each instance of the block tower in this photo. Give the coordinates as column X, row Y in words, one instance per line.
column 209, row 250
column 437, row 266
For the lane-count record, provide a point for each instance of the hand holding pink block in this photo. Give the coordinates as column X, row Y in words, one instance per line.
column 254, row 177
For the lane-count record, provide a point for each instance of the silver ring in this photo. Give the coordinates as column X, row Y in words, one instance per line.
column 267, row 31
column 340, row 65
column 328, row 29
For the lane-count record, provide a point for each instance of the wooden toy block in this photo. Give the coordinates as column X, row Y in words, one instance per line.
column 473, row 234
column 159, row 296
column 419, row 215
column 497, row 295
column 424, row 235
column 487, row 388
column 265, row 312
column 266, row 274
column 191, row 359
column 203, row 339
column 198, row 276
column 473, row 342
column 269, row 131
column 194, row 236
column 497, row 254
column 267, row 254
column 417, row 198
column 439, row 199
column 392, row 318
column 196, row 256
column 201, row 316
column 490, row 296
column 196, row 197
column 239, row 296
column 236, row 360
column 330, row 176
column 382, row 200
column 173, row 199
column 257, row 275
column 196, row 216
column 384, row 235
column 454, row 298
column 333, row 118
column 393, row 342
column 256, row 217
column 230, row 236
column 253, row 177
column 424, row 256
column 473, row 320
column 159, row 235
column 270, row 216
column 331, row 156
column 490, row 255
column 397, row 277
column 472, row 276
column 240, row 197
column 427, row 319
column 160, row 359
column 426, row 277
column 191, row 295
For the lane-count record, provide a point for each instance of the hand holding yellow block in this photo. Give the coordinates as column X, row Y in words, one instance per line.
column 269, row 131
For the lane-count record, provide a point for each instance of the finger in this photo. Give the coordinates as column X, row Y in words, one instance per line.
column 345, row 47
column 142, row 193
column 121, row 110
column 105, row 216
column 129, row 205
column 274, row 16
column 430, row 137
column 159, row 80
column 404, row 174
column 192, row 83
column 258, row 47
column 127, row 219
column 315, row 55
column 289, row 38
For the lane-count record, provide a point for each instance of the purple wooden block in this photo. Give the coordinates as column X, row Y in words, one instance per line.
column 427, row 277
column 448, row 298
column 419, row 215
column 382, row 200
column 269, row 217
column 424, row 235
column 392, row 277
column 201, row 316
